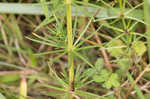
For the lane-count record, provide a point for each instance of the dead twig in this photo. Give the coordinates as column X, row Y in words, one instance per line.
column 17, row 72
column 106, row 58
column 137, row 79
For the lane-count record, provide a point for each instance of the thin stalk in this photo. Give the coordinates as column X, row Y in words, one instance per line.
column 147, row 20
column 45, row 8
column 70, row 46
column 23, row 88
column 121, row 7
column 122, row 13
column 69, row 24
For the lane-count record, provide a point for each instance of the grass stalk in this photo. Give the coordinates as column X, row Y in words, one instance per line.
column 70, row 46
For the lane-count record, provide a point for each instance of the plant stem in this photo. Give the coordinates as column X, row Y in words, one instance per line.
column 23, row 88
column 147, row 20
column 121, row 7
column 69, row 24
column 70, row 46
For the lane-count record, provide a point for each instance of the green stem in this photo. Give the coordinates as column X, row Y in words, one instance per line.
column 122, row 13
column 69, row 24
column 121, row 6
column 147, row 20
column 70, row 46
column 45, row 8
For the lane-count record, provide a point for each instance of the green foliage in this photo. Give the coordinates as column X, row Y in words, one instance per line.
column 116, row 52
column 139, row 48
column 115, row 48
column 124, row 64
column 147, row 96
column 103, row 76
column 138, row 90
column 9, row 78
column 117, row 26
column 107, row 79
column 2, row 97
column 111, row 97
column 99, row 64
column 147, row 20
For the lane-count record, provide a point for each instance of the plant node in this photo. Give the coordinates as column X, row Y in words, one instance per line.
column 122, row 15
column 126, row 31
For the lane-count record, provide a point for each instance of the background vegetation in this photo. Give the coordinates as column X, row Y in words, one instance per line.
column 74, row 49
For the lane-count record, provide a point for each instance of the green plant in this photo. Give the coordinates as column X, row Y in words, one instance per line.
column 74, row 49
column 102, row 76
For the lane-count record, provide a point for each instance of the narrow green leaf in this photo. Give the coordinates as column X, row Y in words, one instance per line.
column 58, row 79
column 11, row 65
column 83, row 32
column 52, row 87
column 45, row 22
column 36, row 9
column 82, row 58
column 48, row 52
column 83, row 93
column 43, row 38
column 42, row 42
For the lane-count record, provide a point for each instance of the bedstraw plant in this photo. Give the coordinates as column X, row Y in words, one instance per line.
column 74, row 49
